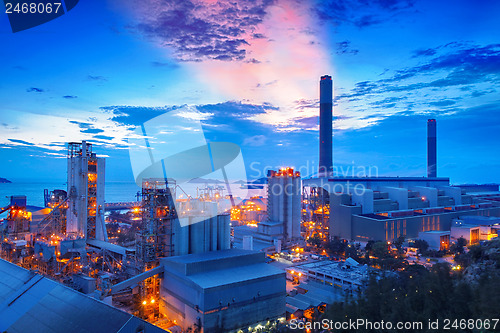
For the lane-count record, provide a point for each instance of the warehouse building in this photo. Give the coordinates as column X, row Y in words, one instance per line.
column 32, row 303
column 223, row 290
column 437, row 240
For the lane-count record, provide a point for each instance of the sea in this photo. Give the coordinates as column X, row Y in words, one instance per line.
column 115, row 191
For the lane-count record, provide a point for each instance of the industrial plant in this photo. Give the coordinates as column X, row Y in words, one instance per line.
column 202, row 263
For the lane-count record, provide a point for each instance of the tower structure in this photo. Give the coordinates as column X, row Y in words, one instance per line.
column 56, row 200
column 85, row 214
column 155, row 238
column 325, row 125
column 284, row 200
column 18, row 220
column 431, row 148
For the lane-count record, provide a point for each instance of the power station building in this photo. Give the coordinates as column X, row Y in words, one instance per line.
column 384, row 208
column 409, row 206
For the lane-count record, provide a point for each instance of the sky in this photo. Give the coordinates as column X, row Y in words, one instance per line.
column 249, row 72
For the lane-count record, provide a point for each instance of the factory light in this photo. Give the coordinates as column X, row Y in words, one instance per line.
column 152, row 301
column 144, row 302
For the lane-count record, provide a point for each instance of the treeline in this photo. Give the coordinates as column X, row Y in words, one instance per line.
column 419, row 295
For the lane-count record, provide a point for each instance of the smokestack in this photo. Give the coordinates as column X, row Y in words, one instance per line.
column 325, row 125
column 431, row 148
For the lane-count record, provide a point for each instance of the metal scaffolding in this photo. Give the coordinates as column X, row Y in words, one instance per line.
column 155, row 239
column 55, row 221
column 316, row 200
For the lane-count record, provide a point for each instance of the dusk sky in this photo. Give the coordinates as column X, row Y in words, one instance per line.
column 249, row 71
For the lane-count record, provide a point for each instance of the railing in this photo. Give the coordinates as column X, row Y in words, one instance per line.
column 121, row 205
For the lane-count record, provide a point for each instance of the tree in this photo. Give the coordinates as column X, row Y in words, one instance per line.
column 315, row 240
column 336, row 246
column 351, row 252
column 399, row 243
column 458, row 246
column 380, row 250
column 369, row 245
column 417, row 294
column 421, row 245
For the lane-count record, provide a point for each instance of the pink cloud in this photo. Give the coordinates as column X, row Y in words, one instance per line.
column 254, row 51
column 290, row 60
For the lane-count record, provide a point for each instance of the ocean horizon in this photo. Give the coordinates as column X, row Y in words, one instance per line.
column 115, row 191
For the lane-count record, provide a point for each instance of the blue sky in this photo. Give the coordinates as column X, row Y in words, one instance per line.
column 249, row 71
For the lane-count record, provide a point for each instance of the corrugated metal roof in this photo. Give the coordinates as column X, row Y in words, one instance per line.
column 33, row 303
column 301, row 305
column 207, row 256
column 233, row 275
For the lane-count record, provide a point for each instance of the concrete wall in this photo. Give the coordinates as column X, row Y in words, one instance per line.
column 341, row 213
column 384, row 205
column 464, row 232
column 246, row 304
column 364, row 199
column 444, row 201
column 417, row 203
column 430, row 194
column 453, row 192
column 400, row 195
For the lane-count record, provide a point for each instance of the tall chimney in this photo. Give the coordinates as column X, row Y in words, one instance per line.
column 325, row 125
column 431, row 148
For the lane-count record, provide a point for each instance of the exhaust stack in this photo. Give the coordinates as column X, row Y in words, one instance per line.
column 431, row 149
column 325, row 126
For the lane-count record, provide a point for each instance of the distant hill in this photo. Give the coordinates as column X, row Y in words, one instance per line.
column 203, row 181
column 262, row 180
column 4, row 180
